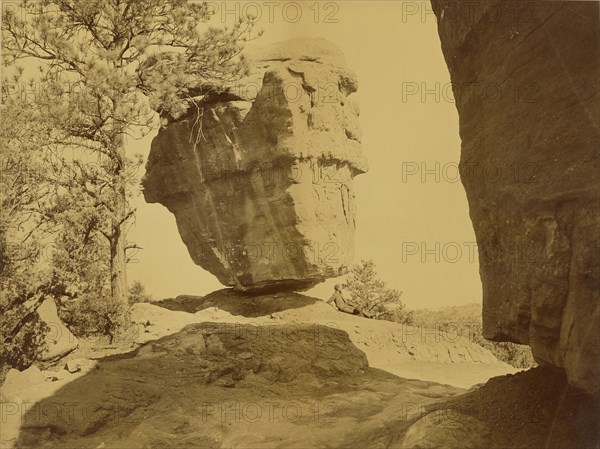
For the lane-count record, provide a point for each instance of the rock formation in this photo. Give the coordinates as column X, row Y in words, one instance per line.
column 526, row 81
column 59, row 341
column 260, row 177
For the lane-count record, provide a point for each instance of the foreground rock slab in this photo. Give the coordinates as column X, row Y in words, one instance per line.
column 525, row 79
column 269, row 379
column 260, row 178
column 214, row 387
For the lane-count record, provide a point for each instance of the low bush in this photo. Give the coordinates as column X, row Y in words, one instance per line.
column 137, row 293
column 92, row 315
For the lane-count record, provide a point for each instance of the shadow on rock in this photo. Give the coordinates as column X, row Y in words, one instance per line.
column 531, row 409
column 244, row 304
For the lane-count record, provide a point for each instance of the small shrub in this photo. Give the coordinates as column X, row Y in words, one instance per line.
column 137, row 293
column 24, row 348
column 516, row 355
column 91, row 315
column 397, row 315
column 18, row 276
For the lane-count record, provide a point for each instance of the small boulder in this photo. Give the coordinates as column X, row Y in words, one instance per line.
column 245, row 355
column 17, row 382
column 214, row 345
column 83, row 365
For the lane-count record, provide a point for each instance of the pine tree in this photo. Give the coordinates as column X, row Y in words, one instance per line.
column 22, row 193
column 372, row 296
column 106, row 66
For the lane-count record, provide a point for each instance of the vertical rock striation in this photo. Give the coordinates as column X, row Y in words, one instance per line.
column 260, row 177
column 526, row 82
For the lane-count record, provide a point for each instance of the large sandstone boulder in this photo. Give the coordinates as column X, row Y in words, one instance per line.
column 260, row 178
column 526, row 81
column 59, row 341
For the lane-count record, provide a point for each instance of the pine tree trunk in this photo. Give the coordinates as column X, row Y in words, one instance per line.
column 118, row 270
column 118, row 260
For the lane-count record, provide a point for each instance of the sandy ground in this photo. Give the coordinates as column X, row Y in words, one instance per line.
column 407, row 351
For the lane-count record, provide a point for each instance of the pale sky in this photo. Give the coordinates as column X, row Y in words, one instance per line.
column 394, row 49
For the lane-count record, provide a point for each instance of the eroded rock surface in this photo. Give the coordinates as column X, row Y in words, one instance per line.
column 260, row 178
column 216, row 386
column 525, row 79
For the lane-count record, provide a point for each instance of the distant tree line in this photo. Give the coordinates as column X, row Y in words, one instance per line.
column 371, row 294
column 469, row 318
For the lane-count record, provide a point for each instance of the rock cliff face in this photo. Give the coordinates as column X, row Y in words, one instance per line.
column 260, row 178
column 525, row 78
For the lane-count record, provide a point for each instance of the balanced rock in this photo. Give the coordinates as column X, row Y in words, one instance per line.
column 259, row 178
column 526, row 84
